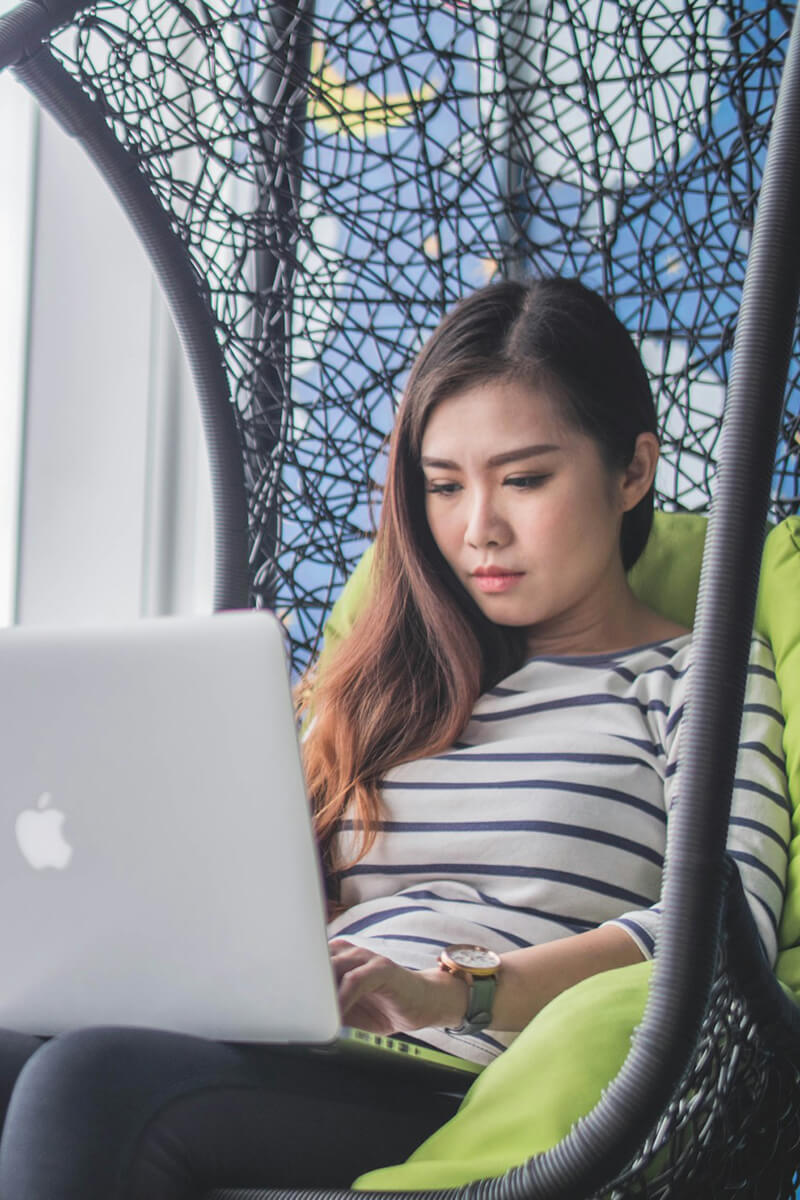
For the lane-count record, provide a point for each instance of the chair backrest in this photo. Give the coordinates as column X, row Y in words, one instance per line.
column 340, row 173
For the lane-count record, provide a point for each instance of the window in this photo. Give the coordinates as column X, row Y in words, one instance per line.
column 105, row 510
column 17, row 140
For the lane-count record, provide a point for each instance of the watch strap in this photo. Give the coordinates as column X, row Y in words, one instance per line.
column 479, row 1004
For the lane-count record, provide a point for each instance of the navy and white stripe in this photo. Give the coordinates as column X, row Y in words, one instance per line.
column 550, row 814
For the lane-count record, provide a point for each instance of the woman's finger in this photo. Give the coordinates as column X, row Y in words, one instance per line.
column 363, row 978
column 347, row 957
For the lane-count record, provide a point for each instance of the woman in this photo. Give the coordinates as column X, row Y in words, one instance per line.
column 526, row 446
column 491, row 762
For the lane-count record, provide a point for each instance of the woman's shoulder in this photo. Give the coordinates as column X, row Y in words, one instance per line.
column 654, row 647
column 666, row 630
column 649, row 627
column 618, row 670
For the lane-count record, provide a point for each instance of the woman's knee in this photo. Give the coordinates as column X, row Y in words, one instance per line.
column 83, row 1100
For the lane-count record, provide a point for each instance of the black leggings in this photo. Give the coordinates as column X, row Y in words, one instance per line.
column 130, row 1114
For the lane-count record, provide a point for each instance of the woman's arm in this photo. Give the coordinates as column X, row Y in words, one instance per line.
column 378, row 995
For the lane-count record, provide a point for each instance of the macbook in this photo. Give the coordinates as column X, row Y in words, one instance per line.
column 157, row 863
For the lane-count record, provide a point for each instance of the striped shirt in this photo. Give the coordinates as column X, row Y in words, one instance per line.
column 549, row 816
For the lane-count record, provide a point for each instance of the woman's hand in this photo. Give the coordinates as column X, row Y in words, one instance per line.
column 378, row 995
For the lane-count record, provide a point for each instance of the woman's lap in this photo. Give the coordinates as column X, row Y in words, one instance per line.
column 15, row 1050
column 127, row 1114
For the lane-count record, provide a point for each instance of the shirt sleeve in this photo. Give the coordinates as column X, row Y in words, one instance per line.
column 759, row 830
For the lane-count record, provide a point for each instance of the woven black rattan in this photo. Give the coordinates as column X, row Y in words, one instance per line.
column 339, row 179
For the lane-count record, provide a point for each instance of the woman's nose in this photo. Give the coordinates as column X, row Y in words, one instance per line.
column 486, row 525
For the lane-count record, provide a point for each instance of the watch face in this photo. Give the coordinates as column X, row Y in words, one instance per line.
column 474, row 958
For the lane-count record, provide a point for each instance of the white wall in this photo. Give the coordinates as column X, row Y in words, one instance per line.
column 114, row 499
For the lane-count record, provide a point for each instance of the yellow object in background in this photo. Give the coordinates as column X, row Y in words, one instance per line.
column 337, row 106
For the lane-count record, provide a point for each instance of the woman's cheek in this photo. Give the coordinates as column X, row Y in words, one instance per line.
column 447, row 527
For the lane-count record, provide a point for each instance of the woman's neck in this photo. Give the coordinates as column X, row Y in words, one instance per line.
column 602, row 625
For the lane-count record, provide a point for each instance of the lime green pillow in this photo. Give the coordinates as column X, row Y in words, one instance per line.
column 529, row 1098
column 667, row 574
column 778, row 616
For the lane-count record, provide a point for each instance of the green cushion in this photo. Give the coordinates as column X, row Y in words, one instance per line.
column 529, row 1098
column 778, row 616
column 667, row 575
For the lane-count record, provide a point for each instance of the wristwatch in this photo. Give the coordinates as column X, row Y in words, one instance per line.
column 478, row 967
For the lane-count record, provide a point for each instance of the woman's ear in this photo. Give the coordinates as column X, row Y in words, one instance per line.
column 638, row 476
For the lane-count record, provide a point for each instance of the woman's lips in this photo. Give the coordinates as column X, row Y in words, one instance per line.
column 497, row 582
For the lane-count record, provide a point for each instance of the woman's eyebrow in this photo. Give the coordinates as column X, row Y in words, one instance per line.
column 498, row 460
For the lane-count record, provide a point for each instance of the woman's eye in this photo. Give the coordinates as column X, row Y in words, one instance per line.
column 527, row 481
column 442, row 489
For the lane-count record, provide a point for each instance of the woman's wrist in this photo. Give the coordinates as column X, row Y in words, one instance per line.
column 449, row 998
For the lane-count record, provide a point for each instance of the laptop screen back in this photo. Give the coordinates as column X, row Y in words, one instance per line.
column 157, row 866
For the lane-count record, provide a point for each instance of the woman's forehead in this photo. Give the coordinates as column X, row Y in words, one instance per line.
column 494, row 418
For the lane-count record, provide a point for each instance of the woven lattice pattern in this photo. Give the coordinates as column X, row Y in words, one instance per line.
column 734, row 1129
column 341, row 176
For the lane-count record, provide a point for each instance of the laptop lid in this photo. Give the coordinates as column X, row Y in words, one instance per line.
column 157, row 866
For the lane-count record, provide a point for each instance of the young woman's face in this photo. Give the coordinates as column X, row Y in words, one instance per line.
column 524, row 509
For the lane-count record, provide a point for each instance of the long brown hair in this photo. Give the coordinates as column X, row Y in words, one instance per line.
column 403, row 684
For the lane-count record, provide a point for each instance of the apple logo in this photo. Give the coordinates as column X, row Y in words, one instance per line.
column 40, row 836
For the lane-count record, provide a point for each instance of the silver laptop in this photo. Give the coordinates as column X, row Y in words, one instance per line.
column 157, row 865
